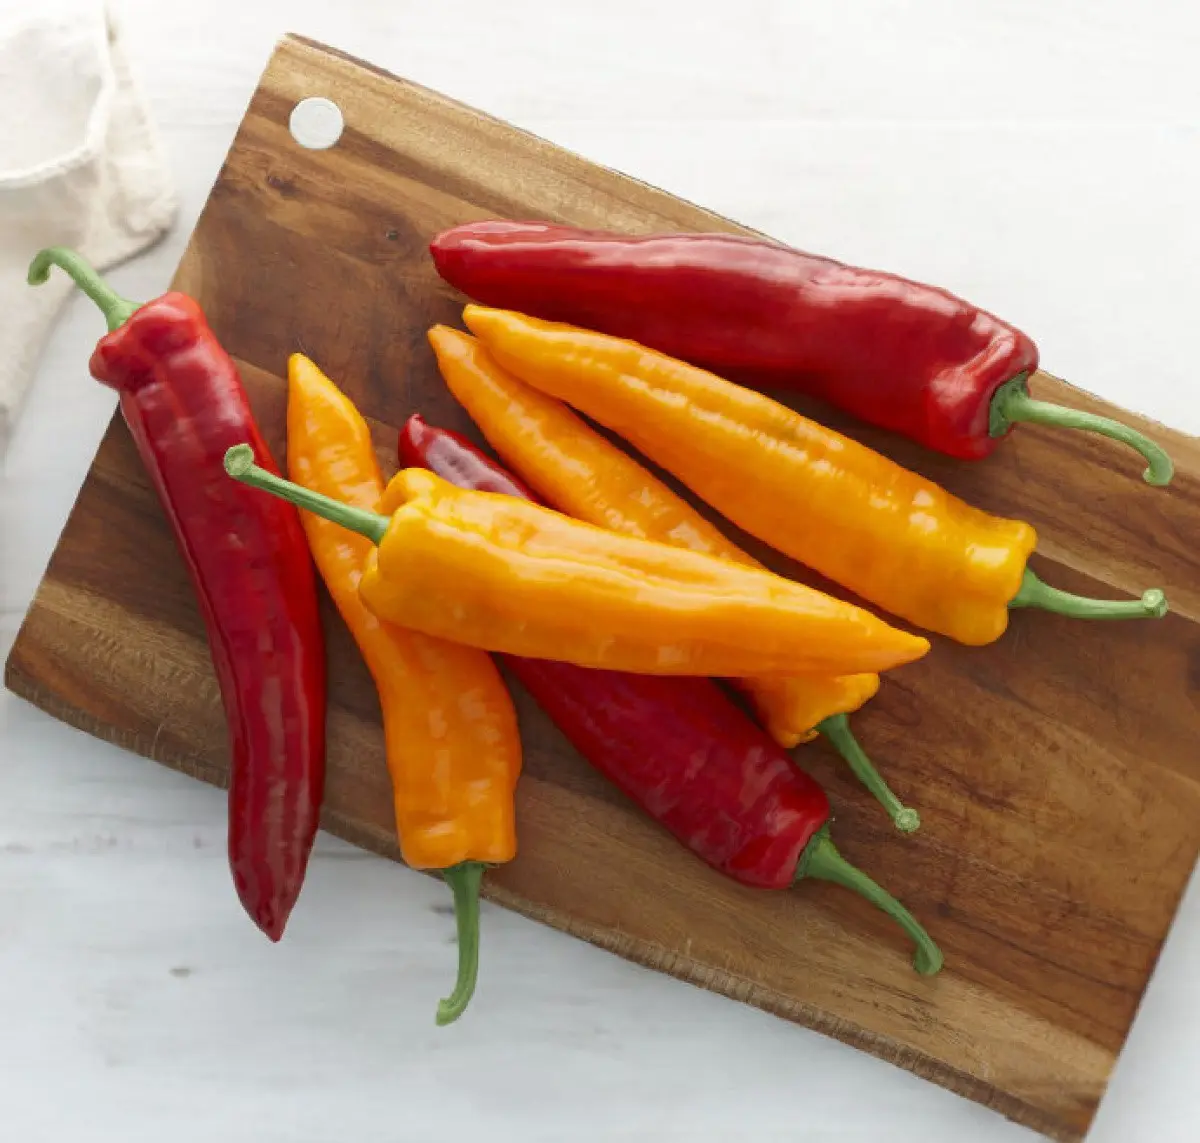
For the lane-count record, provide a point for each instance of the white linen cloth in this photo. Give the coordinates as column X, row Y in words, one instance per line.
column 80, row 165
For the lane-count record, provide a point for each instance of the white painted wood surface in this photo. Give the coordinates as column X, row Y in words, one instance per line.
column 1042, row 158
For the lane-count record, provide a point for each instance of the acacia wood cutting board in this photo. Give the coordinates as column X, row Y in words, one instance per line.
column 1057, row 770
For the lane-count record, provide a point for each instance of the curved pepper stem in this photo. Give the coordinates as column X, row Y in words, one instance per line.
column 116, row 309
column 822, row 861
column 1012, row 403
column 464, row 880
column 836, row 728
column 239, row 463
column 1035, row 593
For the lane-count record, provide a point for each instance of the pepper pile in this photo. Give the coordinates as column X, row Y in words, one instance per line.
column 621, row 604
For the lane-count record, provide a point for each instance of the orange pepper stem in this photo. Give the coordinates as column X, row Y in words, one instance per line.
column 822, row 861
column 1012, row 403
column 836, row 728
column 1034, row 593
column 116, row 309
column 239, row 463
column 464, row 880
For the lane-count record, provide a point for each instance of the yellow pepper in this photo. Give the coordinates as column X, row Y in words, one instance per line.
column 509, row 576
column 889, row 535
column 450, row 728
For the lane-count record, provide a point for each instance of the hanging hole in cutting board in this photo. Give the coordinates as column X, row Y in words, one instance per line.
column 316, row 122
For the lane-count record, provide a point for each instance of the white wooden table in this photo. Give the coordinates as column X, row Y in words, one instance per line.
column 1040, row 158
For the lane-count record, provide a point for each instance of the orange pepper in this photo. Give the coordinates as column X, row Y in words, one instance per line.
column 579, row 472
column 507, row 575
column 889, row 535
column 450, row 728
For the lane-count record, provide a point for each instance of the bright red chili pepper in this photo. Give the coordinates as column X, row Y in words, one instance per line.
column 248, row 559
column 677, row 745
column 895, row 353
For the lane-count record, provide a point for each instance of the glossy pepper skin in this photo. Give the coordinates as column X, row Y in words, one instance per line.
column 450, row 728
column 904, row 356
column 182, row 398
column 577, row 471
column 508, row 576
column 885, row 533
column 678, row 747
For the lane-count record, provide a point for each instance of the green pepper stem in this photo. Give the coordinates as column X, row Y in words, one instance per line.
column 116, row 309
column 822, row 861
column 239, row 463
column 1012, row 403
column 1035, row 593
column 836, row 728
column 464, row 880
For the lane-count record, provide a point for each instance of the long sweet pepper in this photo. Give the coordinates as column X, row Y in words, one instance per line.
column 681, row 750
column 888, row 534
column 895, row 353
column 577, row 471
column 182, row 398
column 504, row 575
column 450, row 728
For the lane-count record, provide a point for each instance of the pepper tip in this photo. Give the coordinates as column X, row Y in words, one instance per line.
column 39, row 269
column 239, row 460
column 439, row 337
column 1160, row 474
column 928, row 961
column 474, row 316
column 1155, row 603
column 447, row 1013
column 908, row 820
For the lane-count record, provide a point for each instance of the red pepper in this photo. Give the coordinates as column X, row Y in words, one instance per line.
column 904, row 356
column 677, row 745
column 248, row 559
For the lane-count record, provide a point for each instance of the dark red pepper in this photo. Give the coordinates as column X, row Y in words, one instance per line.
column 677, row 745
column 249, row 563
column 904, row 356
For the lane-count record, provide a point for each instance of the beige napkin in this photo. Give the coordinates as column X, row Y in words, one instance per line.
column 79, row 165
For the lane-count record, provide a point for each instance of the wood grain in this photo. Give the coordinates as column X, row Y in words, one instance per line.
column 1056, row 771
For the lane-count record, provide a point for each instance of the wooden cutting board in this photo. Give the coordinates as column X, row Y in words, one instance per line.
column 1057, row 770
